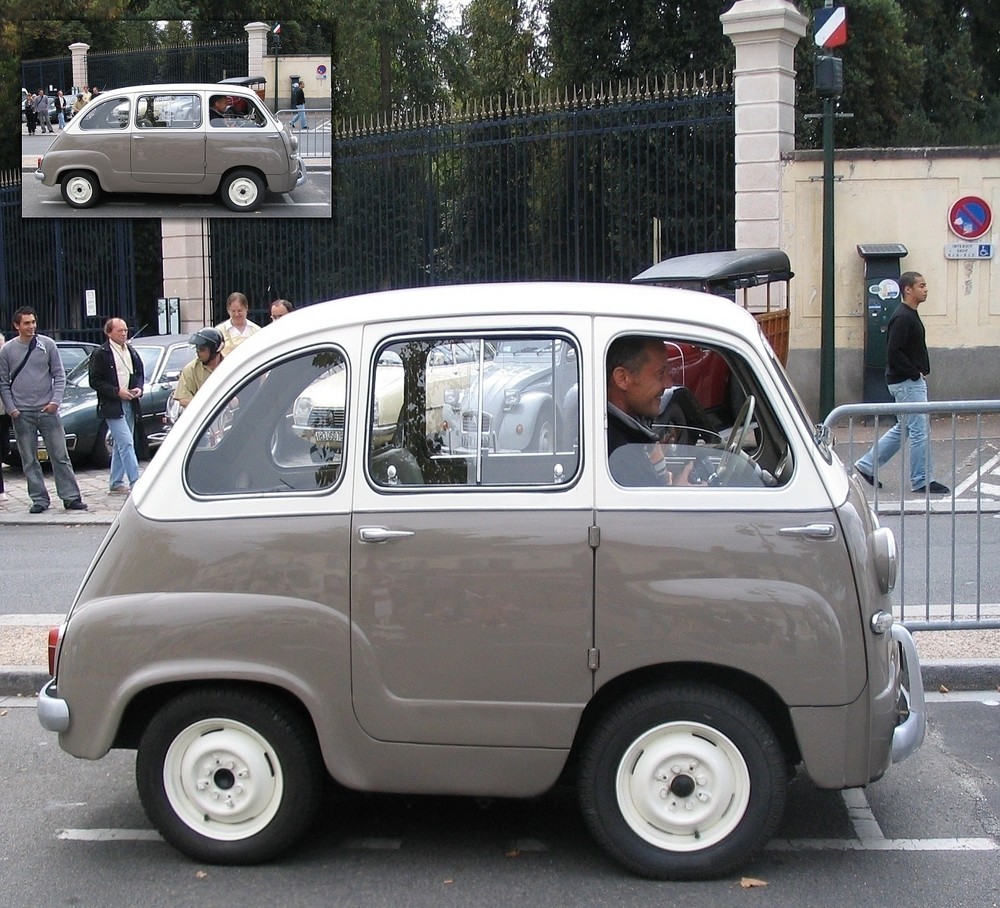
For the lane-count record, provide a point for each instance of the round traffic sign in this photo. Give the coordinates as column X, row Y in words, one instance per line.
column 970, row 218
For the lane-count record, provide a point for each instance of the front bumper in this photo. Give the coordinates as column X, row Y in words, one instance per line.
column 302, row 174
column 909, row 734
column 53, row 711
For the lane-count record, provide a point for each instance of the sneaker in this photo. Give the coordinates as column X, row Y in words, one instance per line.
column 119, row 490
column 869, row 479
column 935, row 488
column 37, row 508
column 74, row 504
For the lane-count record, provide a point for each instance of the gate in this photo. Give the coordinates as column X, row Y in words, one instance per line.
column 946, row 544
column 590, row 186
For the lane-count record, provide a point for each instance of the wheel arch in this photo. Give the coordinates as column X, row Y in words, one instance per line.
column 749, row 688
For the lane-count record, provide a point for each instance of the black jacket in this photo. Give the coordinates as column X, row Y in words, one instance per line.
column 906, row 351
column 628, row 441
column 104, row 380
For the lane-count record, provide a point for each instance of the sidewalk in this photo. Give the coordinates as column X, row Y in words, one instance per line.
column 956, row 660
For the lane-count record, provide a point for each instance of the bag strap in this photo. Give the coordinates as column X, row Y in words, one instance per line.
column 31, row 346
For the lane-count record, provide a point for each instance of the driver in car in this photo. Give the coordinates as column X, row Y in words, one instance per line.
column 638, row 372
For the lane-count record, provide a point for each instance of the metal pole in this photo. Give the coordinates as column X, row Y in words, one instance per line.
column 827, row 364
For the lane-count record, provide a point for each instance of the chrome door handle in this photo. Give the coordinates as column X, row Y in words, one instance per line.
column 381, row 534
column 812, row 531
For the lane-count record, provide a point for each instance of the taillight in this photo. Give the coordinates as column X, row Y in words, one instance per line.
column 55, row 635
column 39, row 165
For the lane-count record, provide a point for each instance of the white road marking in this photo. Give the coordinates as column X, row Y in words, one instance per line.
column 109, row 835
column 966, row 484
column 32, row 620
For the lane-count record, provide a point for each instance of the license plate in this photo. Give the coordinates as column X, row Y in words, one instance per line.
column 328, row 435
column 43, row 455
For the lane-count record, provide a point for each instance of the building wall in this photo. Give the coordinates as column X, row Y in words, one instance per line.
column 893, row 196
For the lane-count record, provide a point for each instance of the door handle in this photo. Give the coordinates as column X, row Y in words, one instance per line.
column 381, row 534
column 812, row 531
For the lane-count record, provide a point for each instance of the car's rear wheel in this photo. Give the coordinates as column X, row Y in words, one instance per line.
column 80, row 189
column 242, row 190
column 230, row 776
column 683, row 781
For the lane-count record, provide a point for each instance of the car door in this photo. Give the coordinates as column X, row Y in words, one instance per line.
column 168, row 139
column 740, row 569
column 471, row 589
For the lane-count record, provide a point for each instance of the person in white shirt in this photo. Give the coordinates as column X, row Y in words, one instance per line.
column 237, row 328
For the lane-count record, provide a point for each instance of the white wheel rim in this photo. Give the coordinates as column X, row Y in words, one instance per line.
column 683, row 786
column 243, row 192
column 80, row 190
column 223, row 779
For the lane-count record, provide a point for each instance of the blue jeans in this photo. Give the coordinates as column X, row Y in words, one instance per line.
column 916, row 426
column 123, row 460
column 300, row 111
column 27, row 427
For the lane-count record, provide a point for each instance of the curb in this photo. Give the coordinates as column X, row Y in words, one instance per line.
column 967, row 674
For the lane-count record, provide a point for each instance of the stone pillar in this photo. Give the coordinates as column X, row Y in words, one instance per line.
column 257, row 49
column 186, row 273
column 79, row 52
column 764, row 33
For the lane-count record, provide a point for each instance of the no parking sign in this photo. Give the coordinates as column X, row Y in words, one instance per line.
column 970, row 218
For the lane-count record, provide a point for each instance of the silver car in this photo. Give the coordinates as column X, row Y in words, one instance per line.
column 182, row 139
column 409, row 615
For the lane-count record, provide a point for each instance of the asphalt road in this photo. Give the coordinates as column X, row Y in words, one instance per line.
column 926, row 834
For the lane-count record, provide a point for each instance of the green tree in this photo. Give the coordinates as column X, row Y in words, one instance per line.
column 499, row 53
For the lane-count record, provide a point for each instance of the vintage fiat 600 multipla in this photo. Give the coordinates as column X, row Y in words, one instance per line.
column 678, row 614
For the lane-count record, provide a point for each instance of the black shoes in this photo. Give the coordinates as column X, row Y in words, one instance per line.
column 869, row 479
column 74, row 504
column 38, row 508
column 935, row 488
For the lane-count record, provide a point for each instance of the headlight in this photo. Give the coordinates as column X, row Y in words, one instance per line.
column 511, row 398
column 302, row 410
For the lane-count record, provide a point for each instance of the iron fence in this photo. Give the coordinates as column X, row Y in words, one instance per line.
column 590, row 186
column 947, row 544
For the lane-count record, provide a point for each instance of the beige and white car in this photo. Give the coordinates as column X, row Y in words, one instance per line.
column 406, row 617
column 183, row 139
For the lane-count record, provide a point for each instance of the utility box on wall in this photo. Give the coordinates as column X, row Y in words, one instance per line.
column 881, row 299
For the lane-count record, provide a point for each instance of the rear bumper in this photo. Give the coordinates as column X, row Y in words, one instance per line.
column 302, row 174
column 53, row 712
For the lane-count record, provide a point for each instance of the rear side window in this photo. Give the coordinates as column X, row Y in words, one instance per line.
column 168, row 111
column 110, row 114
column 282, row 431
column 475, row 411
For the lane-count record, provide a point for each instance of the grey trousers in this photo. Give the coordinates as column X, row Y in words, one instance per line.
column 27, row 427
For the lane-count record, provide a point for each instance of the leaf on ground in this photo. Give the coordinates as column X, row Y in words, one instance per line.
column 943, row 690
column 749, row 882
column 3, row 712
column 201, row 874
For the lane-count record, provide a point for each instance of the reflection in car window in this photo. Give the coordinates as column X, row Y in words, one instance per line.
column 714, row 427
column 174, row 111
column 263, row 438
column 110, row 114
column 149, row 357
column 177, row 359
column 522, row 393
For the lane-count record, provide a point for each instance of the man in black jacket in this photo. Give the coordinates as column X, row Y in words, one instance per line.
column 906, row 376
column 117, row 377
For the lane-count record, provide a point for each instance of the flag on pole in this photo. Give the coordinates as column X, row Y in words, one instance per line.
column 277, row 29
column 830, row 26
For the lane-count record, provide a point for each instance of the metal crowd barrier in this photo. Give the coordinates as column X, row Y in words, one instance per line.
column 314, row 142
column 948, row 545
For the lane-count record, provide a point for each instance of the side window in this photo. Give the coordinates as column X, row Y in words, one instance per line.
column 168, row 111
column 282, row 431
column 110, row 114
column 177, row 359
column 685, row 414
column 475, row 411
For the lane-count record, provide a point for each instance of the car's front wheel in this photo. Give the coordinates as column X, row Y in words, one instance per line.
column 229, row 776
column 683, row 781
column 242, row 190
column 80, row 189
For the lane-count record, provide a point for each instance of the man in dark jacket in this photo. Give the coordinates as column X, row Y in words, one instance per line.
column 906, row 376
column 116, row 375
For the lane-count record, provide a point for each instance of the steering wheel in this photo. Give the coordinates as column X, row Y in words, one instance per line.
column 734, row 447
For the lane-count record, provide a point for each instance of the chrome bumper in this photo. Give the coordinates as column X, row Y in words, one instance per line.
column 909, row 734
column 53, row 712
column 39, row 175
column 302, row 174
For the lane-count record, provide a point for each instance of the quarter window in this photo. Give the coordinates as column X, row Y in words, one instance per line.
column 172, row 111
column 110, row 114
column 475, row 411
column 283, row 431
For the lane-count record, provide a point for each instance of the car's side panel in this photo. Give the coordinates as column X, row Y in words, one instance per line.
column 168, row 156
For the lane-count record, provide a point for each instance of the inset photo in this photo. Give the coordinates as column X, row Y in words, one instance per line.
column 176, row 119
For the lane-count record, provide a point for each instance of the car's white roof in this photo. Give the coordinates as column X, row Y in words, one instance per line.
column 215, row 87
column 513, row 299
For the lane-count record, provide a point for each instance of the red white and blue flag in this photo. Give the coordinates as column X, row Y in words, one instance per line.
column 830, row 26
column 277, row 29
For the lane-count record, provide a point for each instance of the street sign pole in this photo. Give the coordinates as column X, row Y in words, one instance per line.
column 827, row 346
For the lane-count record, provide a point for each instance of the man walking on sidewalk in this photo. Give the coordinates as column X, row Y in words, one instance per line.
column 906, row 375
column 32, row 381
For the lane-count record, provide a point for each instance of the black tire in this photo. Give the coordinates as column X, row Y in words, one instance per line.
column 224, row 746
column 80, row 189
column 242, row 190
column 683, row 781
column 100, row 454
